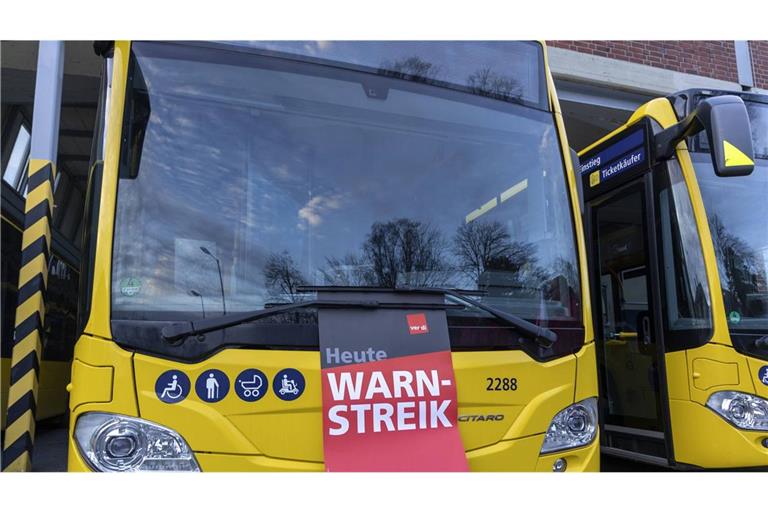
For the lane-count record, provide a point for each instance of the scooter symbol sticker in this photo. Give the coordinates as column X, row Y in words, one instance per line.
column 212, row 385
column 251, row 385
column 172, row 387
column 289, row 384
column 763, row 375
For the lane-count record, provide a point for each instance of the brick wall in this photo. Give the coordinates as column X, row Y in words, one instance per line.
column 714, row 59
column 759, row 51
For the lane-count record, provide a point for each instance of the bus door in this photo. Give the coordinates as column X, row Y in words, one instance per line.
column 618, row 193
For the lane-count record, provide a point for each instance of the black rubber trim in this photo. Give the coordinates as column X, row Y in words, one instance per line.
column 40, row 177
column 17, row 449
column 38, row 212
column 28, row 363
column 34, row 249
column 31, row 287
column 27, row 327
column 22, row 405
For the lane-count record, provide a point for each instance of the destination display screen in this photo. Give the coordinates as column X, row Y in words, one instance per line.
column 623, row 155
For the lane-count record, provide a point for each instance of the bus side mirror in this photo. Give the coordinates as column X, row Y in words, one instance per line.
column 725, row 120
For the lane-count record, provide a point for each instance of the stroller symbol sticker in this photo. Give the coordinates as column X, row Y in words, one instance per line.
column 251, row 385
column 172, row 387
column 288, row 384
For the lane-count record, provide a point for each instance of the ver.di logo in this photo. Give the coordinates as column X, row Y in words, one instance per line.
column 417, row 323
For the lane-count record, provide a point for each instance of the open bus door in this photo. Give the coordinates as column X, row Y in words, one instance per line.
column 619, row 218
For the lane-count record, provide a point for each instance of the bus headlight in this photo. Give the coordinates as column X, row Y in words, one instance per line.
column 745, row 411
column 115, row 443
column 574, row 426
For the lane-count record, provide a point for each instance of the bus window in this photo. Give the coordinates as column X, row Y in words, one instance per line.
column 13, row 171
column 685, row 293
column 736, row 212
column 315, row 181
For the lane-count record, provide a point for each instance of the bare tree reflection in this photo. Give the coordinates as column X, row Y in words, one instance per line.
column 282, row 277
column 401, row 252
column 412, row 68
column 404, row 252
column 477, row 244
column 484, row 82
column 739, row 269
column 487, row 82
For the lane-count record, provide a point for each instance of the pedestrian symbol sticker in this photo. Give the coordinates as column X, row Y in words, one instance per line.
column 172, row 387
column 288, row 384
column 212, row 386
column 251, row 385
column 763, row 375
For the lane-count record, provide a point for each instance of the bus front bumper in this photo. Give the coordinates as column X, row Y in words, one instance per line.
column 513, row 455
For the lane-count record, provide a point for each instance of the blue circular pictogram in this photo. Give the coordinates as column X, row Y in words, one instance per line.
column 251, row 385
column 288, row 384
column 212, row 385
column 763, row 375
column 172, row 386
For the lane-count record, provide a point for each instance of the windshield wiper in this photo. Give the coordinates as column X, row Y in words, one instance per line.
column 180, row 330
column 541, row 335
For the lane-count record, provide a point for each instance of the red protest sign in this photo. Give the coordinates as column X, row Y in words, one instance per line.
column 389, row 398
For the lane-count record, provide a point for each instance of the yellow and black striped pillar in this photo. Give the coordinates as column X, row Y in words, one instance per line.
column 30, row 318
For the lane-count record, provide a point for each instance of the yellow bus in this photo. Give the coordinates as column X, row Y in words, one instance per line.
column 237, row 178
column 676, row 216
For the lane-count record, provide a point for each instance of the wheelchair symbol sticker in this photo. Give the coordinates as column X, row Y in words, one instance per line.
column 763, row 375
column 288, row 384
column 212, row 385
column 251, row 385
column 172, row 386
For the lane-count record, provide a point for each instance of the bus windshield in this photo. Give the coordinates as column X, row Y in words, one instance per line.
column 246, row 173
column 737, row 209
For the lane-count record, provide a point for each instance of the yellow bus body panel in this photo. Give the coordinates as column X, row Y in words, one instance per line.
column 704, row 439
column 273, row 435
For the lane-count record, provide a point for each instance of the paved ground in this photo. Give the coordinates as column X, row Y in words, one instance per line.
column 50, row 447
column 615, row 464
